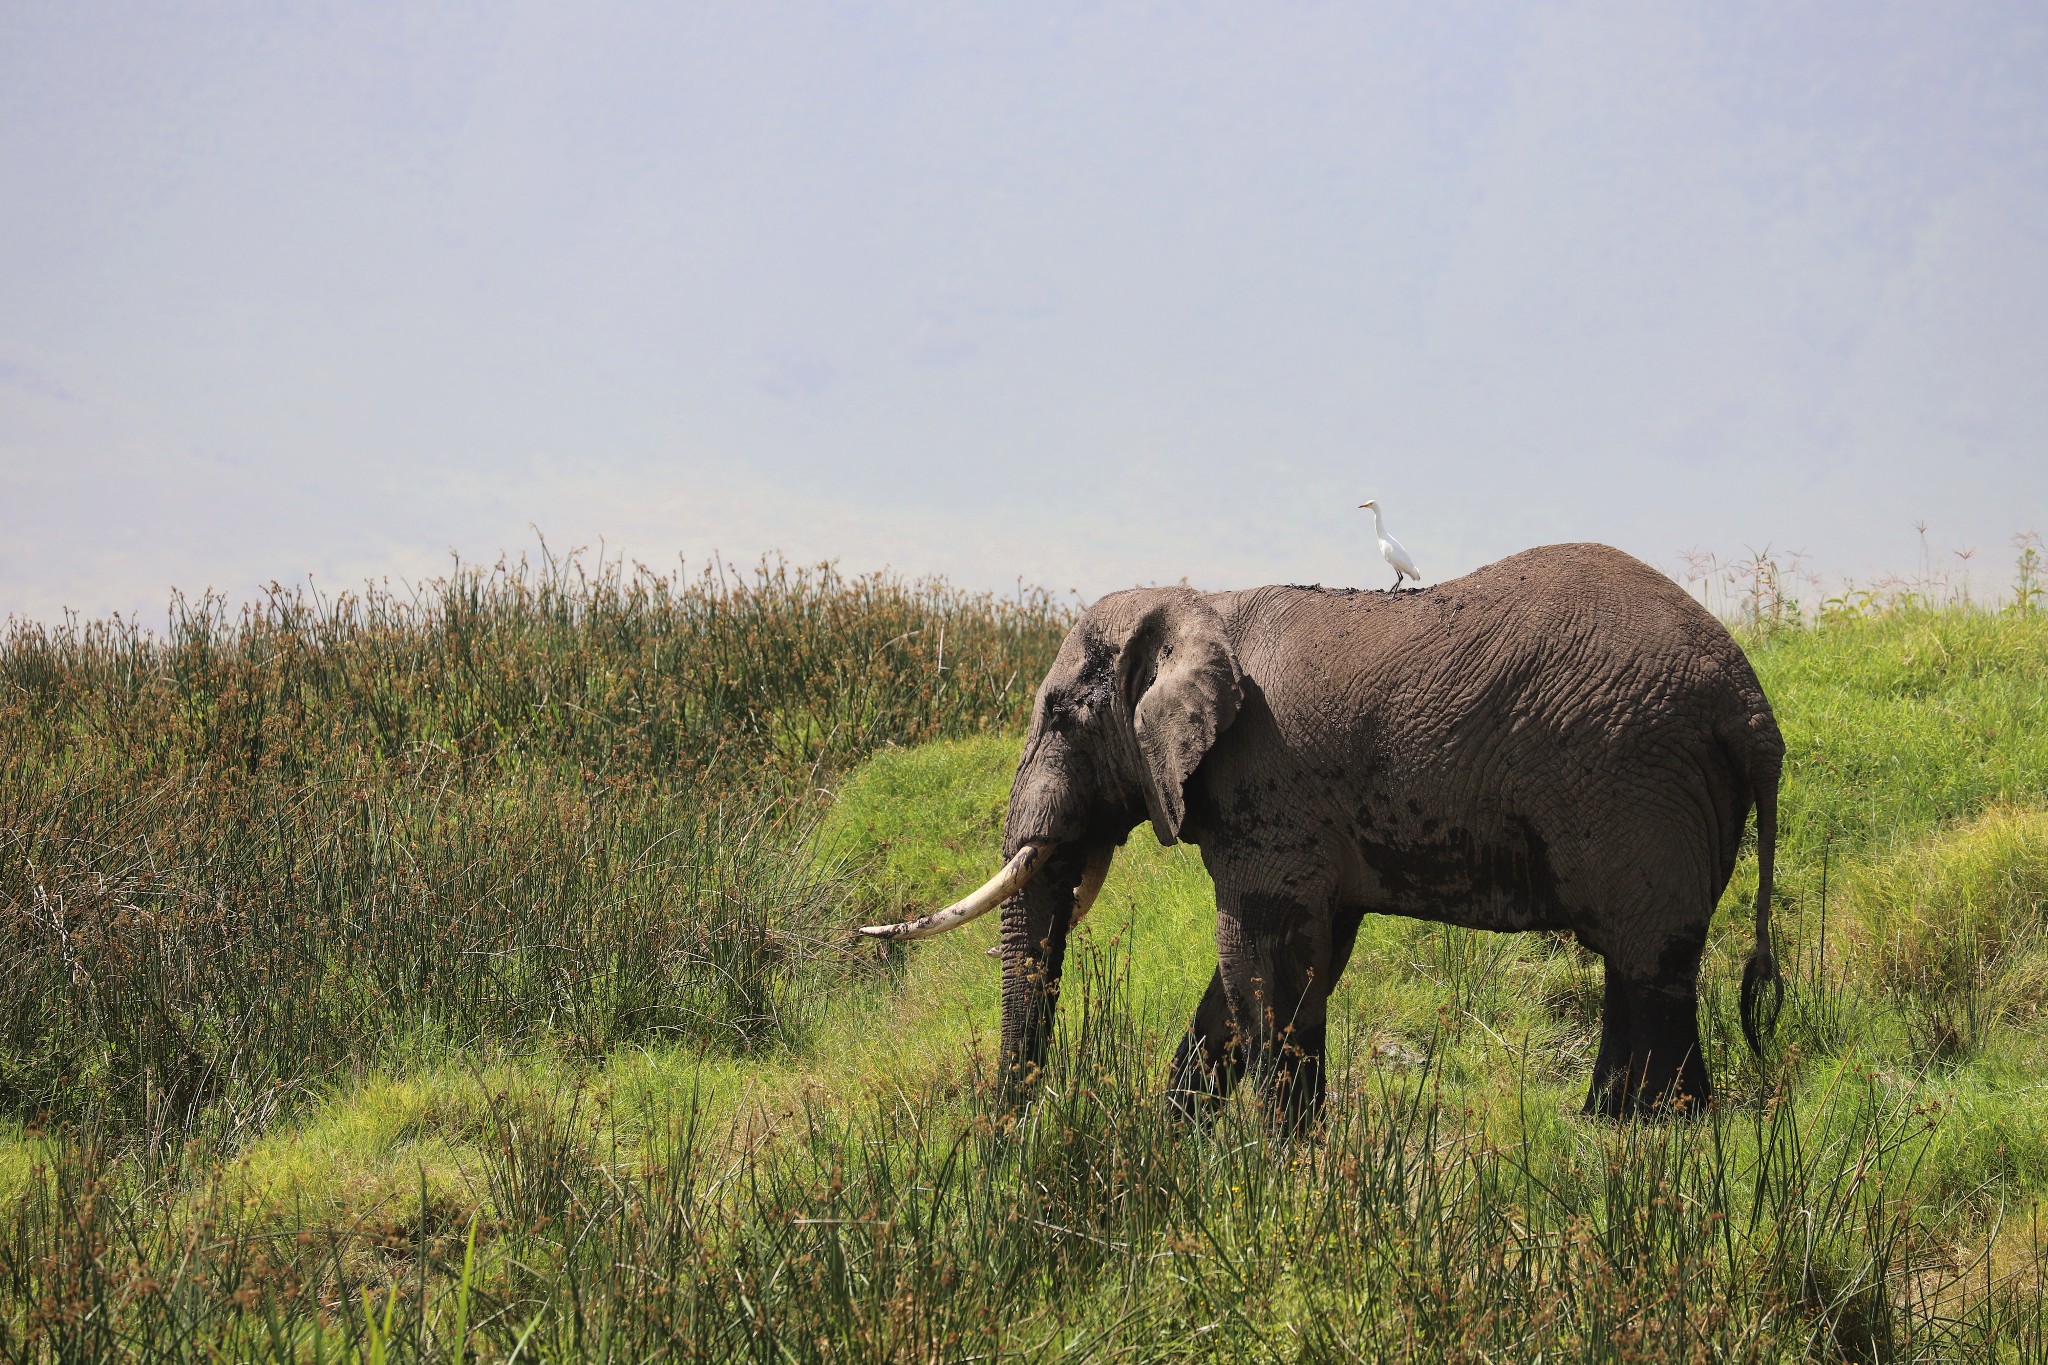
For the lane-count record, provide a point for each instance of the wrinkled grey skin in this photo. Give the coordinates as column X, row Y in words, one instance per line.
column 1563, row 740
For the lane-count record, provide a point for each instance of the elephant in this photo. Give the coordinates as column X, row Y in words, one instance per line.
column 1563, row 740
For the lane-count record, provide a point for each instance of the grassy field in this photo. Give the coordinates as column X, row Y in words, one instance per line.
column 466, row 974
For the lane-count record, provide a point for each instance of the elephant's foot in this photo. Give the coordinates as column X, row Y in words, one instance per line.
column 1648, row 1088
column 1681, row 1092
column 1297, row 1094
column 1210, row 1059
column 1608, row 1097
column 1667, row 1073
column 1201, row 1080
column 1289, row 1072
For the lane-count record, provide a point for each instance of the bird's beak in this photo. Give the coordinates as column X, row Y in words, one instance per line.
column 1368, row 502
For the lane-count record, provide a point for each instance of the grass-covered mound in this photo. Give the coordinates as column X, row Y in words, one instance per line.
column 580, row 1055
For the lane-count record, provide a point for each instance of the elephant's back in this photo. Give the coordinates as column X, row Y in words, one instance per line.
column 1590, row 606
column 1564, row 638
column 1639, row 643
column 1583, row 581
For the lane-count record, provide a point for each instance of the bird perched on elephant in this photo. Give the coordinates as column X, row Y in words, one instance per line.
column 1562, row 740
column 1393, row 551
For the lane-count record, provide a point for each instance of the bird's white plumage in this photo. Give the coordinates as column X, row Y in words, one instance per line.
column 1392, row 550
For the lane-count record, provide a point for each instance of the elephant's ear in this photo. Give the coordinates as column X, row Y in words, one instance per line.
column 1180, row 688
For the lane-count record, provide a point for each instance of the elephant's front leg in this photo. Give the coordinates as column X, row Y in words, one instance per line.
column 1276, row 968
column 1210, row 1060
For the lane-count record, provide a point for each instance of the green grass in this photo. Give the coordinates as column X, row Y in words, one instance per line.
column 528, row 916
column 1902, row 722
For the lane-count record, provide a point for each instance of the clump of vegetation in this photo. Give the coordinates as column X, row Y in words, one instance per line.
column 522, row 805
column 484, row 950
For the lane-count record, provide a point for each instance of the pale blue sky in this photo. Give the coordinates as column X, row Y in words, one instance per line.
column 1083, row 294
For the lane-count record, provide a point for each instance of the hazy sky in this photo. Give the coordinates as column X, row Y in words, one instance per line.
column 1083, row 294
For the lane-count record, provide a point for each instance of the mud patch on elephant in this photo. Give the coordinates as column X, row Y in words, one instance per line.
column 1453, row 875
column 1678, row 966
column 1064, row 709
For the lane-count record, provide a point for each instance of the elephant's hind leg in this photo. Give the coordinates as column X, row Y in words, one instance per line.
column 1609, row 1093
column 1667, row 1071
column 1650, row 1063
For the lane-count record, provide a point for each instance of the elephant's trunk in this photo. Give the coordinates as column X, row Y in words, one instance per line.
column 1035, row 925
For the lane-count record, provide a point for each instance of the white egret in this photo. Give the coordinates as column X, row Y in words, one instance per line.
column 1391, row 549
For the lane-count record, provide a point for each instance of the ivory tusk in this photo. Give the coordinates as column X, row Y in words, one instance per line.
column 986, row 897
column 1091, row 882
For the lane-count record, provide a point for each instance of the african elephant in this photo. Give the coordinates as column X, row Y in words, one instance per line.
column 1562, row 740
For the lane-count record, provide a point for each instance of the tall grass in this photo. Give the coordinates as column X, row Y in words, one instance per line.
column 462, row 974
column 523, row 805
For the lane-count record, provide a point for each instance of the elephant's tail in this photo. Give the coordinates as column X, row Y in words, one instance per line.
column 1761, row 971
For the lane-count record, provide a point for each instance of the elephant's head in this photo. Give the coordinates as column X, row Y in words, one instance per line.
column 1142, row 686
